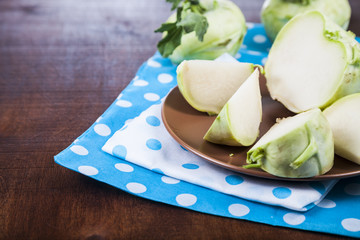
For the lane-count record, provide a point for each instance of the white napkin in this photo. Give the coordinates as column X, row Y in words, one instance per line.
column 145, row 141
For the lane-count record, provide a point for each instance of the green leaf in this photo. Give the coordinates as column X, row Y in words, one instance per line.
column 201, row 28
column 166, row 27
column 194, row 22
column 171, row 41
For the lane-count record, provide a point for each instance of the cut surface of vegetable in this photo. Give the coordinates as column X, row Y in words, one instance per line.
column 276, row 13
column 344, row 119
column 312, row 63
column 207, row 85
column 301, row 146
column 238, row 122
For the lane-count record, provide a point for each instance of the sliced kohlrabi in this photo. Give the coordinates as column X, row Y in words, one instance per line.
column 312, row 63
column 207, row 85
column 344, row 119
column 238, row 122
column 301, row 146
column 276, row 13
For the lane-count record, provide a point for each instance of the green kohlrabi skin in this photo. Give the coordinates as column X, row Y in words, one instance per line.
column 225, row 34
column 276, row 13
column 302, row 150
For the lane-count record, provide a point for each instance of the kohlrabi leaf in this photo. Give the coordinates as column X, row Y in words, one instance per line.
column 194, row 22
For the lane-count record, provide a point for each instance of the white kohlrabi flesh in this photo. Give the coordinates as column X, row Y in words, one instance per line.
column 301, row 146
column 276, row 13
column 207, row 85
column 225, row 33
column 238, row 122
column 344, row 119
column 312, row 63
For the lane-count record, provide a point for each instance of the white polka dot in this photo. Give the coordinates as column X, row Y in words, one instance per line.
column 151, row 97
column 186, row 199
column 165, row 78
column 136, row 187
column 352, row 189
column 251, row 52
column 169, row 180
column 153, row 63
column 294, row 218
column 238, row 55
column 124, row 167
column 263, row 61
column 259, row 38
column 79, row 150
column 351, row 224
column 88, row 170
column 243, row 46
column 326, row 203
column 99, row 119
column 123, row 103
column 76, row 140
column 102, row 129
column 238, row 210
column 140, row 83
column 120, row 95
column 250, row 25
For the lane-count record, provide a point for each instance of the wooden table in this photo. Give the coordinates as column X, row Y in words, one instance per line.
column 62, row 63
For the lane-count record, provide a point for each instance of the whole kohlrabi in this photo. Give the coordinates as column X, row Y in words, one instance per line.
column 276, row 13
column 202, row 29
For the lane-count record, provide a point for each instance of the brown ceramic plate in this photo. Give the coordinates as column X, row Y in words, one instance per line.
column 188, row 126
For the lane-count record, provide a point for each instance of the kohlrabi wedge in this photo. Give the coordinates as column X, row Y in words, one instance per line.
column 276, row 13
column 207, row 85
column 312, row 63
column 238, row 122
column 344, row 119
column 301, row 146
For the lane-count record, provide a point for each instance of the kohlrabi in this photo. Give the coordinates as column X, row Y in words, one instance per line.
column 202, row 29
column 276, row 13
column 207, row 84
column 312, row 63
column 344, row 119
column 238, row 122
column 301, row 146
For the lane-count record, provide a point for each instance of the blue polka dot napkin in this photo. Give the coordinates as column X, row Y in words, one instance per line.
column 337, row 213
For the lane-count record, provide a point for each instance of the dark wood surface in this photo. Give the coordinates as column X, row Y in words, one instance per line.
column 62, row 63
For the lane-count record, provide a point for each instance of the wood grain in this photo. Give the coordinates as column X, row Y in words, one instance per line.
column 62, row 63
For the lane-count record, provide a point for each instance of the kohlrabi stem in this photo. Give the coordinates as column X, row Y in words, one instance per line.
column 309, row 151
column 255, row 159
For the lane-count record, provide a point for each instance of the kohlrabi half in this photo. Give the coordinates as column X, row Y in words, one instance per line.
column 312, row 63
column 301, row 146
column 238, row 122
column 207, row 84
column 202, row 29
column 276, row 13
column 344, row 119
